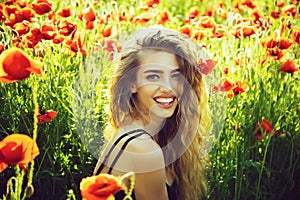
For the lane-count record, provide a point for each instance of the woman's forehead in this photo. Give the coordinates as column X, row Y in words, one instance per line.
column 155, row 59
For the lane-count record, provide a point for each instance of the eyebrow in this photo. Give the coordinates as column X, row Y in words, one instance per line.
column 160, row 71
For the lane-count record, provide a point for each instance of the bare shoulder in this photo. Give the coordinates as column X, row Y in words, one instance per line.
column 149, row 167
column 146, row 155
column 142, row 154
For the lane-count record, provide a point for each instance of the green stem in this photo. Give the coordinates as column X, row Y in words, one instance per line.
column 35, row 127
column 237, row 168
column 261, row 169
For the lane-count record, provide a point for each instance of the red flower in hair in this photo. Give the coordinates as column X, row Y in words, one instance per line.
column 207, row 66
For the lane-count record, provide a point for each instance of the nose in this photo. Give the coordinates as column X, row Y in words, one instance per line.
column 166, row 84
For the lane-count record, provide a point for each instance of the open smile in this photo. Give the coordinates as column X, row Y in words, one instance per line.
column 165, row 101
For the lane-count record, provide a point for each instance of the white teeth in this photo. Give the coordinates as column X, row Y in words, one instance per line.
column 164, row 100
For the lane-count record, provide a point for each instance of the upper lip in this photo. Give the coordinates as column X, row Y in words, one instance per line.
column 165, row 96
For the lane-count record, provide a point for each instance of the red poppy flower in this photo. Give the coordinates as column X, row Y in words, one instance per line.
column 13, row 14
column 185, row 30
column 226, row 70
column 280, row 3
column 22, row 27
column 240, row 87
column 243, row 31
column 163, row 17
column 46, row 116
column 193, row 12
column 99, row 187
column 226, row 84
column 67, row 28
column 207, row 66
column 269, row 42
column 125, row 16
column 22, row 4
column 276, row 53
column 207, row 22
column 197, row 34
column 263, row 126
column 296, row 36
column 65, row 12
column 285, row 43
column 58, row 39
column 275, row 14
column 11, row 9
column 2, row 47
column 76, row 44
column 16, row 65
column 143, row 18
column 106, row 31
column 2, row 16
column 289, row 67
column 48, row 32
column 289, row 10
column 219, row 31
column 89, row 14
column 248, row 3
column 17, row 149
column 34, row 38
column 10, row 2
column 89, row 25
column 151, row 3
column 276, row 48
column 42, row 6
column 111, row 45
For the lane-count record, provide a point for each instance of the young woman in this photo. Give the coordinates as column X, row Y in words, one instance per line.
column 160, row 117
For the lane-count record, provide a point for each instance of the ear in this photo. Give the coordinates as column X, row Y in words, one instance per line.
column 133, row 89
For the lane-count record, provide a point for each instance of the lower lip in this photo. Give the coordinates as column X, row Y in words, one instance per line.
column 165, row 105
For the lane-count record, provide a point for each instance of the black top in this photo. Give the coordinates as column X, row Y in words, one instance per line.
column 120, row 195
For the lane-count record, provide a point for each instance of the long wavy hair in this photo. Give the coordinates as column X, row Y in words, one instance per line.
column 183, row 135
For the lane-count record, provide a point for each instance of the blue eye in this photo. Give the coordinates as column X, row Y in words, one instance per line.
column 176, row 75
column 152, row 77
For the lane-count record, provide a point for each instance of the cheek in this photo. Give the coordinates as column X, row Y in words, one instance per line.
column 146, row 90
column 178, row 88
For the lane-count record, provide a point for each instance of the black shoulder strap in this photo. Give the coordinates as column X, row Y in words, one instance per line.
column 122, row 149
column 97, row 171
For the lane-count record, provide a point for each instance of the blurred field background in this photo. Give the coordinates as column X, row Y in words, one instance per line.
column 254, row 87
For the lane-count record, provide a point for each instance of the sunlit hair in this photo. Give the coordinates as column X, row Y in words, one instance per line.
column 191, row 119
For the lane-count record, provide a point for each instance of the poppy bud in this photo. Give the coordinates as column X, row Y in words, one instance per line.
column 29, row 190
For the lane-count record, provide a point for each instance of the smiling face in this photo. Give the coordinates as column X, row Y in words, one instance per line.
column 157, row 88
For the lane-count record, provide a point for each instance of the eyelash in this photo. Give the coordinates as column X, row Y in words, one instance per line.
column 151, row 77
column 176, row 75
column 155, row 76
